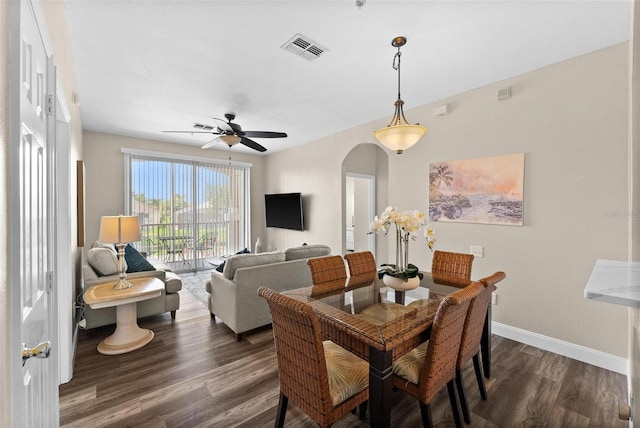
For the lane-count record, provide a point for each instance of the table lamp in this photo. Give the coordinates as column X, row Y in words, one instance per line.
column 120, row 230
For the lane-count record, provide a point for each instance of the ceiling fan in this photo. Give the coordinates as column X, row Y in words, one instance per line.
column 231, row 133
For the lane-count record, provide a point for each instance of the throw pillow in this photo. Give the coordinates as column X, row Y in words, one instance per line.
column 220, row 267
column 104, row 261
column 97, row 244
column 136, row 261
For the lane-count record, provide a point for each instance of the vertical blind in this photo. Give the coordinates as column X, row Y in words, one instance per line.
column 188, row 208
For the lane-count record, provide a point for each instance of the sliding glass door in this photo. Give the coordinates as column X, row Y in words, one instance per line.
column 191, row 212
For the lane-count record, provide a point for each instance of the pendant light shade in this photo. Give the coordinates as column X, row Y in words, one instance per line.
column 399, row 135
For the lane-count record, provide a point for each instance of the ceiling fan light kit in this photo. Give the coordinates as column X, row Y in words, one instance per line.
column 230, row 140
column 231, row 133
column 399, row 135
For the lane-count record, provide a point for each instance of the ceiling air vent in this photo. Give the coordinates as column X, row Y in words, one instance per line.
column 304, row 47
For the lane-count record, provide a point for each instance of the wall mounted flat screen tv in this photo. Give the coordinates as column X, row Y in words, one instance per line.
column 284, row 210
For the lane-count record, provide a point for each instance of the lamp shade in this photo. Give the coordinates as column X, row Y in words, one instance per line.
column 400, row 137
column 119, row 229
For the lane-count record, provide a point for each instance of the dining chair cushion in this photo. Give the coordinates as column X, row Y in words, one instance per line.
column 418, row 303
column 410, row 364
column 347, row 373
column 370, row 319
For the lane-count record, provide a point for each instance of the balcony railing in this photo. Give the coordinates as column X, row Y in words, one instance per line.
column 185, row 246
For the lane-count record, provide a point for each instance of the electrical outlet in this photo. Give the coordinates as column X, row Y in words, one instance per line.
column 494, row 298
column 477, row 251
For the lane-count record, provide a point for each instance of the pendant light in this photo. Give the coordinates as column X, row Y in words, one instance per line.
column 399, row 135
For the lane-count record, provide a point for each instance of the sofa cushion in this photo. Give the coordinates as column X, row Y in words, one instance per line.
column 104, row 261
column 307, row 251
column 136, row 262
column 220, row 267
column 238, row 261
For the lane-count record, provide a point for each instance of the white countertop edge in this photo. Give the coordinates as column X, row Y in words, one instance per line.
column 616, row 282
column 616, row 300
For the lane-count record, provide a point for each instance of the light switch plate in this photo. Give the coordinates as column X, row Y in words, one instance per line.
column 477, row 251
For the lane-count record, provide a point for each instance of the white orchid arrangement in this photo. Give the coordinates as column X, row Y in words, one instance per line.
column 408, row 225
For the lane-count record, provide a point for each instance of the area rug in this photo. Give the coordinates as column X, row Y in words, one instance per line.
column 194, row 283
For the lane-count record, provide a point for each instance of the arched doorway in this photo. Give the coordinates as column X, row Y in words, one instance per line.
column 364, row 192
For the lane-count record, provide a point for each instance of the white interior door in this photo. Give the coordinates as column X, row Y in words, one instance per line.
column 34, row 392
column 360, row 210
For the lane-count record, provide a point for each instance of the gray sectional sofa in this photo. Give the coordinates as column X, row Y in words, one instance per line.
column 233, row 293
column 102, row 266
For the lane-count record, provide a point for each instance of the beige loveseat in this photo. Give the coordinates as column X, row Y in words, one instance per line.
column 233, row 294
column 102, row 266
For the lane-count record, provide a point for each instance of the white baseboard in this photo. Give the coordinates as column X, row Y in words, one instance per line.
column 567, row 349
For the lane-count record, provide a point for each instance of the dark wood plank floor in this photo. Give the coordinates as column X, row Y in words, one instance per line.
column 195, row 374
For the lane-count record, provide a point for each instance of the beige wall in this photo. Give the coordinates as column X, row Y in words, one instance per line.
column 570, row 119
column 104, row 164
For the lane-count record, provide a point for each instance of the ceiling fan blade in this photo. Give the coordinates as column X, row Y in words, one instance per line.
column 211, row 143
column 223, row 125
column 192, row 132
column 252, row 144
column 265, row 134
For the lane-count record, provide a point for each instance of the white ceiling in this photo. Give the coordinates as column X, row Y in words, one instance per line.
column 147, row 66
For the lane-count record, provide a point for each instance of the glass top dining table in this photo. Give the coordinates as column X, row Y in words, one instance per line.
column 379, row 325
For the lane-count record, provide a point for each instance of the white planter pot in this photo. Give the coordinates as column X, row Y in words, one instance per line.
column 399, row 284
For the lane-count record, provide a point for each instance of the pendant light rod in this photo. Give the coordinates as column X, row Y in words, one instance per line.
column 398, row 42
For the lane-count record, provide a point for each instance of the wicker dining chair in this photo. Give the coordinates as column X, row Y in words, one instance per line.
column 327, row 273
column 470, row 342
column 426, row 369
column 323, row 379
column 361, row 263
column 452, row 265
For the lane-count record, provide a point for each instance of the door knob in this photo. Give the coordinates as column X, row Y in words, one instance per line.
column 43, row 350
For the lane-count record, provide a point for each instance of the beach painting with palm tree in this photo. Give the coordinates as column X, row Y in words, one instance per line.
column 485, row 190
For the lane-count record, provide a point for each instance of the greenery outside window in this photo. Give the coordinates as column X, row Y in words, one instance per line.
column 192, row 211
